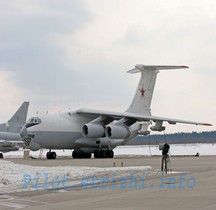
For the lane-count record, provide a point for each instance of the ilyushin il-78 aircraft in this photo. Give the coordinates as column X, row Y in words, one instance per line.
column 98, row 132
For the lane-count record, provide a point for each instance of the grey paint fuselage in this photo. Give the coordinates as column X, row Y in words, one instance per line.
column 63, row 131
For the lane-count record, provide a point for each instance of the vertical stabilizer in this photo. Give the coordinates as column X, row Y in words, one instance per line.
column 142, row 100
column 17, row 120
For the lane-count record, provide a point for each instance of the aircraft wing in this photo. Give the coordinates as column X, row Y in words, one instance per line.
column 8, row 146
column 137, row 117
column 11, row 142
column 10, row 139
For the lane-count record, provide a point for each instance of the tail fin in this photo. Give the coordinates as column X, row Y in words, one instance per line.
column 142, row 100
column 17, row 120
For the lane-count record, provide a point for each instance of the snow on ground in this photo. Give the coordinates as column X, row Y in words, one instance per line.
column 16, row 177
column 175, row 149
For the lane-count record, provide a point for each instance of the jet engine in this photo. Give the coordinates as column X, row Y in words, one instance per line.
column 117, row 132
column 93, row 130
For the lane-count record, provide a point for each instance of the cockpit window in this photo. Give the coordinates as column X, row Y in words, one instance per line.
column 33, row 121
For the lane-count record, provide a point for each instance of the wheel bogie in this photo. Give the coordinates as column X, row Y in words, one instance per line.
column 104, row 154
column 77, row 155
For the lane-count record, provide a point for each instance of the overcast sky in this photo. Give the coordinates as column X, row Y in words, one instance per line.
column 69, row 54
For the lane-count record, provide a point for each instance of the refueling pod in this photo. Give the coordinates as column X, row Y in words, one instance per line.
column 158, row 126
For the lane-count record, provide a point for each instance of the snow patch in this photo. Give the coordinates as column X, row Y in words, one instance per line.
column 18, row 177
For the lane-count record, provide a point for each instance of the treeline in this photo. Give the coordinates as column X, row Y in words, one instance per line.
column 176, row 138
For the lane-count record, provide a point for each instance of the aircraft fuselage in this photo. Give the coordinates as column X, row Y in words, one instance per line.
column 64, row 131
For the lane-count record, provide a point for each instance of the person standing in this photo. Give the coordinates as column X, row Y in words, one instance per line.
column 165, row 151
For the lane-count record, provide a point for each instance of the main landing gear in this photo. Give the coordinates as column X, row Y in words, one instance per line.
column 51, row 155
column 97, row 154
column 1, row 155
column 77, row 155
column 104, row 154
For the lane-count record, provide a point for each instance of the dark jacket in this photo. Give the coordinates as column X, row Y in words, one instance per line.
column 165, row 149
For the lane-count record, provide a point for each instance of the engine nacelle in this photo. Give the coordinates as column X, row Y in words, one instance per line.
column 157, row 128
column 117, row 132
column 93, row 130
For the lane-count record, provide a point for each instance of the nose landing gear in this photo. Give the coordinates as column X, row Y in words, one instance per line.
column 51, row 155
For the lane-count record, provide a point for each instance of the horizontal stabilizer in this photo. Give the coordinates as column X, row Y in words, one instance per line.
column 141, row 67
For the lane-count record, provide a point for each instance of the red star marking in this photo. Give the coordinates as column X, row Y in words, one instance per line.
column 142, row 91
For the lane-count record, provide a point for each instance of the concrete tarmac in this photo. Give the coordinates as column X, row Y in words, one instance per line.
column 193, row 188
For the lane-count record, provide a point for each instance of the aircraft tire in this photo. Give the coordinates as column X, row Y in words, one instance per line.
column 88, row 155
column 76, row 155
column 48, row 155
column 1, row 155
column 103, row 154
column 96, row 154
column 110, row 154
column 53, row 155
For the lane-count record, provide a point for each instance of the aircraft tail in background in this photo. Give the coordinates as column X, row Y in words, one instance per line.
column 17, row 121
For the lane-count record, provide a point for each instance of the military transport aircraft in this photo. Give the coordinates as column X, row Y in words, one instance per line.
column 10, row 139
column 99, row 132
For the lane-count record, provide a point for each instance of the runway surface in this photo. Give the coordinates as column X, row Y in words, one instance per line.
column 193, row 187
